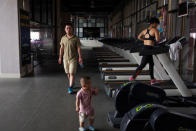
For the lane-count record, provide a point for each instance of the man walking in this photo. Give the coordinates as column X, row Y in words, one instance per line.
column 70, row 50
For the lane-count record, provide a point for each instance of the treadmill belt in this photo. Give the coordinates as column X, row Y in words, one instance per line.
column 119, row 65
column 125, row 73
column 122, row 71
column 125, row 77
column 113, row 60
column 113, row 63
column 117, row 84
column 118, row 68
column 107, row 57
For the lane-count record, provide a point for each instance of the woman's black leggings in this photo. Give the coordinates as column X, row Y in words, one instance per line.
column 145, row 60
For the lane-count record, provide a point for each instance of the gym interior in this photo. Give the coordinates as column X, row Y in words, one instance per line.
column 33, row 85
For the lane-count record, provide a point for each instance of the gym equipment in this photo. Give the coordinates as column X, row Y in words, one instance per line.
column 112, row 63
column 106, row 54
column 164, row 120
column 131, row 44
column 161, row 47
column 117, row 66
column 120, row 66
column 154, row 117
column 167, row 70
column 123, row 43
column 135, row 45
column 170, row 101
column 124, row 77
column 137, row 119
column 182, row 89
column 123, row 72
column 114, row 60
column 111, row 87
column 108, row 57
column 120, row 73
column 130, row 95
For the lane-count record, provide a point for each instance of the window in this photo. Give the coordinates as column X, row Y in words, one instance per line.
column 101, row 32
column 35, row 36
column 90, row 22
column 100, row 22
column 80, row 32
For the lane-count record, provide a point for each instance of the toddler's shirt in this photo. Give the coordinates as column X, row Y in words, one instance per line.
column 85, row 98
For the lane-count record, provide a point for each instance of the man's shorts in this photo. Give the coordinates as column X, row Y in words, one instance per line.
column 82, row 117
column 70, row 66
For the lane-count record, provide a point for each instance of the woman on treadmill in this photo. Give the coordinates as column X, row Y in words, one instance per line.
column 150, row 36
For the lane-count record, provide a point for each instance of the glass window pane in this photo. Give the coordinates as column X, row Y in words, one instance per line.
column 76, row 23
column 84, row 24
column 80, row 20
column 101, row 32
column 100, row 22
column 93, row 20
column 98, row 25
column 81, row 30
column 80, row 24
column 81, row 34
column 89, row 25
column 93, row 24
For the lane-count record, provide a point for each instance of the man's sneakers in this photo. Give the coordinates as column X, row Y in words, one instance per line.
column 91, row 128
column 82, row 129
column 70, row 90
column 154, row 81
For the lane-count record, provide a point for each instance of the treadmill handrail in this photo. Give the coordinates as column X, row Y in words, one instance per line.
column 173, row 74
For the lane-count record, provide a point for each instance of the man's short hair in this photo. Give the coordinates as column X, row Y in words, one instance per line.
column 154, row 20
column 69, row 24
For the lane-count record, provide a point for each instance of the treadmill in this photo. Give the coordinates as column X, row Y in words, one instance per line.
column 106, row 74
column 119, row 65
column 113, row 60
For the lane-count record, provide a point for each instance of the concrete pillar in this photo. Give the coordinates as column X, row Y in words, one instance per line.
column 58, row 24
column 9, row 39
column 24, row 4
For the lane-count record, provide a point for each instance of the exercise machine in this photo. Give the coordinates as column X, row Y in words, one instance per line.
column 133, row 94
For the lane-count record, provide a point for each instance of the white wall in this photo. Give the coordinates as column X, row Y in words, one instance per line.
column 9, row 39
column 0, row 60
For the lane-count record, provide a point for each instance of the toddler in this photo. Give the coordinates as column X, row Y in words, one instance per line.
column 84, row 103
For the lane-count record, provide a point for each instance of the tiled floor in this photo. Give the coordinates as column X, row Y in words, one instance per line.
column 39, row 102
